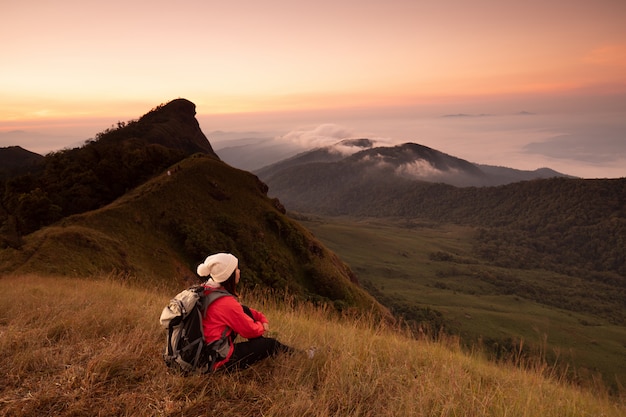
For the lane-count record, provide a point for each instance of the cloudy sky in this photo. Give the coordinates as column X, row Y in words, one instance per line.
column 522, row 84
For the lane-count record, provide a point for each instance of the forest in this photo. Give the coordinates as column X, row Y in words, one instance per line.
column 85, row 178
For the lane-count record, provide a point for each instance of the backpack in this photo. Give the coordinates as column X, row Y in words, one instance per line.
column 182, row 318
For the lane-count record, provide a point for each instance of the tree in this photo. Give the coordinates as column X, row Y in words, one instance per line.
column 35, row 210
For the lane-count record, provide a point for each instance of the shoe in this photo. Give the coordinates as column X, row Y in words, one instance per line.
column 310, row 353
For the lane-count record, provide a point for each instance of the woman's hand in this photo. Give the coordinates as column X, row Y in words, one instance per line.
column 266, row 326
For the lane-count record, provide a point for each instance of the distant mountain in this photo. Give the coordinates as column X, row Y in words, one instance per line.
column 254, row 153
column 408, row 161
column 557, row 223
column 325, row 154
column 509, row 175
column 466, row 115
column 15, row 160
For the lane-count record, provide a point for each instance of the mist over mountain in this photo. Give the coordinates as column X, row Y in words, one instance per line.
column 252, row 153
column 409, row 161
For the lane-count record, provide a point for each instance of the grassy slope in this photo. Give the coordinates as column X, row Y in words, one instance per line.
column 157, row 233
column 75, row 347
column 396, row 258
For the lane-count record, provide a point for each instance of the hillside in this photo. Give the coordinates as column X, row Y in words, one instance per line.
column 161, row 230
column 63, row 357
column 157, row 232
column 429, row 274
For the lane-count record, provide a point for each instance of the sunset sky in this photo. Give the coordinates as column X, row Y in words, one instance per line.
column 385, row 68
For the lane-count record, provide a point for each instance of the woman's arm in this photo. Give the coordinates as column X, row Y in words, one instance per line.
column 234, row 316
column 258, row 316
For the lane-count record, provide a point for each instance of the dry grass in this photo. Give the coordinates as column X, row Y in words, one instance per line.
column 73, row 347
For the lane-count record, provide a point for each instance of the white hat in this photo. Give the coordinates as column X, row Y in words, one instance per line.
column 219, row 266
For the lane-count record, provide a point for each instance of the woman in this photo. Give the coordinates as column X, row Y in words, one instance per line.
column 226, row 316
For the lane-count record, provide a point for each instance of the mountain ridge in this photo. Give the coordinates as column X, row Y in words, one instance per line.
column 84, row 178
column 408, row 160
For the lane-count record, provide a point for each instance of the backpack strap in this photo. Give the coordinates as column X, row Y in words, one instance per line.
column 213, row 295
column 210, row 350
column 208, row 299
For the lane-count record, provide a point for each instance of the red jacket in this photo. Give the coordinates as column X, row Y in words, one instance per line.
column 227, row 313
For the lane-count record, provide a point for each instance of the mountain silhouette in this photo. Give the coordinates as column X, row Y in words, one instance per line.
column 175, row 126
column 15, row 160
column 408, row 161
column 85, row 178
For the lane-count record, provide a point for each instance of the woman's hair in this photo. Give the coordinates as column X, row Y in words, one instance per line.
column 230, row 284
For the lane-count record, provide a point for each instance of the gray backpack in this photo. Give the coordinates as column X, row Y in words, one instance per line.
column 182, row 318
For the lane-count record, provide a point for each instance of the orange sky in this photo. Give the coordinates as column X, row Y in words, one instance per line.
column 69, row 60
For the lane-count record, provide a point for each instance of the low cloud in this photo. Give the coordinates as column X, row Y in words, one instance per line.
column 418, row 169
column 377, row 159
column 423, row 171
column 38, row 142
column 331, row 135
column 322, row 135
column 599, row 144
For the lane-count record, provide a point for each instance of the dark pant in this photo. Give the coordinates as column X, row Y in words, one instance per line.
column 254, row 350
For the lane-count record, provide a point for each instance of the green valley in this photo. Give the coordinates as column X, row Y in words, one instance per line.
column 429, row 273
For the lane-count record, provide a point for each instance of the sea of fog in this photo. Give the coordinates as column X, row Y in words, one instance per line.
column 587, row 146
